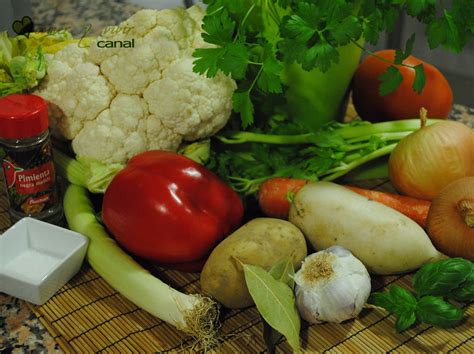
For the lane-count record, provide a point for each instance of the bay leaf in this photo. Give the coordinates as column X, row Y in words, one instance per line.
column 271, row 336
column 284, row 272
column 276, row 303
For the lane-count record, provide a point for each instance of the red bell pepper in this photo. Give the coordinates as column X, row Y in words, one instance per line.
column 166, row 208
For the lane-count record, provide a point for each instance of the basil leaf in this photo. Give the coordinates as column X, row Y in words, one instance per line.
column 276, row 303
column 434, row 310
column 397, row 300
column 441, row 277
column 284, row 272
column 405, row 321
column 465, row 291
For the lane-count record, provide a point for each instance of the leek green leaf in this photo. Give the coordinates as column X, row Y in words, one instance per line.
column 276, row 303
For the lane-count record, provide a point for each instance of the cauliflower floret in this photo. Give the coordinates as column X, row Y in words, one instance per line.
column 114, row 103
column 198, row 109
column 77, row 88
column 115, row 131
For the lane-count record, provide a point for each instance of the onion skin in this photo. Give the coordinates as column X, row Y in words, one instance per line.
column 426, row 161
column 451, row 219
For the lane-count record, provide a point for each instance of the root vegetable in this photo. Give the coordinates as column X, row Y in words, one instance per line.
column 385, row 240
column 262, row 242
column 273, row 198
column 451, row 219
column 428, row 160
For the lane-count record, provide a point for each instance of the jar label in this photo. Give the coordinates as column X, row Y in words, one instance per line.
column 30, row 179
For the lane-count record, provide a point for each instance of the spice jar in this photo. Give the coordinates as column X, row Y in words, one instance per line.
column 27, row 160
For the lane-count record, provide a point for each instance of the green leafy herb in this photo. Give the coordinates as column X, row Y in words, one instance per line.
column 440, row 278
column 327, row 154
column 257, row 40
column 243, row 104
column 451, row 278
column 435, row 311
column 399, row 302
column 465, row 291
column 420, row 78
column 283, row 272
column 276, row 303
column 390, row 80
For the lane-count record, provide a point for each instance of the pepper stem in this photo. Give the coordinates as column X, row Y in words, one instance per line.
column 423, row 116
column 466, row 208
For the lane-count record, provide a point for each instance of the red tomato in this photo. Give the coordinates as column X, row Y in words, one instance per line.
column 169, row 209
column 404, row 103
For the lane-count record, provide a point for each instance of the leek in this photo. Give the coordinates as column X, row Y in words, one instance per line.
column 96, row 176
column 194, row 314
column 91, row 174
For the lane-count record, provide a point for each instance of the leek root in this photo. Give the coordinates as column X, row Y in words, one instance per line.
column 194, row 314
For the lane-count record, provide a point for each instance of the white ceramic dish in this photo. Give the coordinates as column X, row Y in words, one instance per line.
column 37, row 258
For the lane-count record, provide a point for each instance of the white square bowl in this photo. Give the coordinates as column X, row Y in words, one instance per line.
column 37, row 258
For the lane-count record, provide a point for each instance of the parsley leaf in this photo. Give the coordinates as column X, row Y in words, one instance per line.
column 401, row 55
column 390, row 80
column 218, row 29
column 342, row 32
column 321, row 56
column 420, row 78
column 207, row 61
column 253, row 41
column 420, row 7
column 443, row 31
column 234, row 60
column 242, row 104
column 270, row 77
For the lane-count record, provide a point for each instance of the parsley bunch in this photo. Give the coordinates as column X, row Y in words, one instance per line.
column 254, row 41
column 434, row 284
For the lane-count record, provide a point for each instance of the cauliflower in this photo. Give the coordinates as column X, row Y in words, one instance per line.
column 114, row 103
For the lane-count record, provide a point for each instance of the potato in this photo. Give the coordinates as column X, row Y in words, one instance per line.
column 262, row 242
column 385, row 240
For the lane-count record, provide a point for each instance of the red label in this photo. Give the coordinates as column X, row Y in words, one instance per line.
column 29, row 181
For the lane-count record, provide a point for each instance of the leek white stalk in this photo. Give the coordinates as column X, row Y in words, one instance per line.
column 332, row 285
column 193, row 314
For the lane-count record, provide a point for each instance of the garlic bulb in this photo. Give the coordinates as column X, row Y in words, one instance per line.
column 332, row 285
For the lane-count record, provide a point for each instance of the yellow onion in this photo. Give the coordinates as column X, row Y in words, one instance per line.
column 426, row 161
column 450, row 223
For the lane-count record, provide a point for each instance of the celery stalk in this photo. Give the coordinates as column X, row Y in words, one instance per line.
column 193, row 314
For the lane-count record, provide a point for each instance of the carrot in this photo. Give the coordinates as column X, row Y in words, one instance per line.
column 273, row 195
column 273, row 199
column 415, row 209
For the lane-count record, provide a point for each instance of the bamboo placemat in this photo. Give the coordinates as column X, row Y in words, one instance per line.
column 87, row 315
